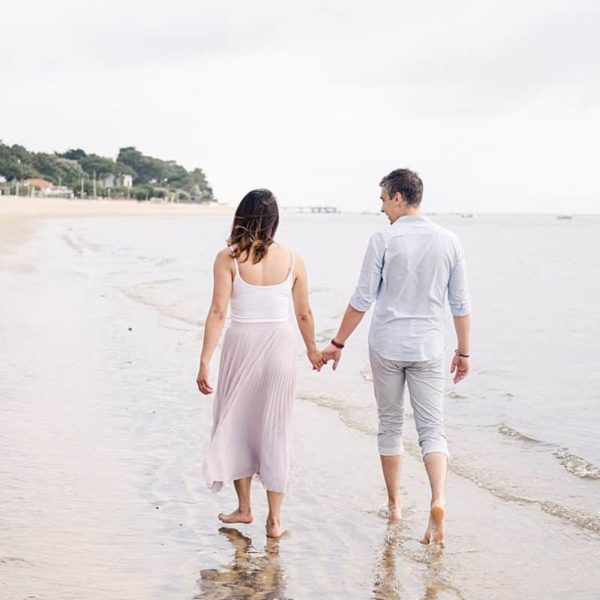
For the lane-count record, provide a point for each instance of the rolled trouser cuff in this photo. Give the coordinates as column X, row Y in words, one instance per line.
column 387, row 448
column 429, row 447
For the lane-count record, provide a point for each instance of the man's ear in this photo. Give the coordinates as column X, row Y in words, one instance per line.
column 398, row 198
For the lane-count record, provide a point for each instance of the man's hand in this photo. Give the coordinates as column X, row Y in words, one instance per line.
column 316, row 359
column 202, row 380
column 460, row 368
column 332, row 353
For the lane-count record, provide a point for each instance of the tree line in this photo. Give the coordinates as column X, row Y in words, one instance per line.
column 76, row 169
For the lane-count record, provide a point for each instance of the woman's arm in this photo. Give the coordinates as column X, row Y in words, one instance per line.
column 216, row 317
column 304, row 315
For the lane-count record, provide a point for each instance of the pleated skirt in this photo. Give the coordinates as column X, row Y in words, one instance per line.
column 253, row 404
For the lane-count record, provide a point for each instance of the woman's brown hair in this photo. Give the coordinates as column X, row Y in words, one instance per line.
column 254, row 226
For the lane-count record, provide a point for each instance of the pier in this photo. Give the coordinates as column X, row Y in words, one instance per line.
column 313, row 209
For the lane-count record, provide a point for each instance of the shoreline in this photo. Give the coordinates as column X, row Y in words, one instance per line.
column 17, row 214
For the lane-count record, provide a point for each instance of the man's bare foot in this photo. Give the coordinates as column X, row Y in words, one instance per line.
column 274, row 529
column 435, row 528
column 237, row 516
column 394, row 514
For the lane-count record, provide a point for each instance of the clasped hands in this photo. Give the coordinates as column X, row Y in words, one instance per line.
column 319, row 358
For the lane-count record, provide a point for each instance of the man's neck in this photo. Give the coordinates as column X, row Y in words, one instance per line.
column 409, row 212
column 412, row 212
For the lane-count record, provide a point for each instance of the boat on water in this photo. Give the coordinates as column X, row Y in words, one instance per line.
column 564, row 217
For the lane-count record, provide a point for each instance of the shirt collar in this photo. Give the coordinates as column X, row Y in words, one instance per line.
column 411, row 219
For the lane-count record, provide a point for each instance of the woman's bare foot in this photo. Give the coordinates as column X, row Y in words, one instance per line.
column 435, row 528
column 274, row 528
column 237, row 516
column 394, row 514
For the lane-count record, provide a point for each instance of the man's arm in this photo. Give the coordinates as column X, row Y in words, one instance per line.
column 460, row 364
column 350, row 321
column 364, row 295
column 460, row 305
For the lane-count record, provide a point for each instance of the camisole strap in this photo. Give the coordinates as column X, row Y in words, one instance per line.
column 291, row 265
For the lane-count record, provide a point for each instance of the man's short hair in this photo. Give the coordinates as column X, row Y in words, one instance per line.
column 405, row 181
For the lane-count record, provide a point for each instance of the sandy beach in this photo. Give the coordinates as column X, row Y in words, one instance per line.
column 17, row 214
column 103, row 434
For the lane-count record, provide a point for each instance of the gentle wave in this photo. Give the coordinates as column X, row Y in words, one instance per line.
column 576, row 465
column 139, row 293
column 346, row 413
column 513, row 433
column 578, row 518
column 77, row 243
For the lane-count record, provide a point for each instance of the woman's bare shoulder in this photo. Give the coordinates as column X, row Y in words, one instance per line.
column 286, row 250
column 224, row 257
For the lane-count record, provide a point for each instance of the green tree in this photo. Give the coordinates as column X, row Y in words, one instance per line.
column 153, row 177
column 103, row 166
column 143, row 166
column 74, row 154
column 61, row 171
column 15, row 163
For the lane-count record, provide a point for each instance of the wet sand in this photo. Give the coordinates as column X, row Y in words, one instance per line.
column 102, row 440
column 18, row 214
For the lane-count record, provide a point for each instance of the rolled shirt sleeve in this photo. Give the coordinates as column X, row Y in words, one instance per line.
column 370, row 278
column 458, row 290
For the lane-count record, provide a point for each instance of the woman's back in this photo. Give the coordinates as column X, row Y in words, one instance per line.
column 271, row 270
column 257, row 372
column 262, row 292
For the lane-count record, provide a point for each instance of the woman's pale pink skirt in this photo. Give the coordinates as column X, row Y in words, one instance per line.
column 253, row 406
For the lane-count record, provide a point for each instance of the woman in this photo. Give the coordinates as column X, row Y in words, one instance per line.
column 257, row 373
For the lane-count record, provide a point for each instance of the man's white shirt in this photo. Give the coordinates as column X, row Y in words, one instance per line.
column 410, row 270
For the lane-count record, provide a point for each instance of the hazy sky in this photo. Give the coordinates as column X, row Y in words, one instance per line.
column 495, row 103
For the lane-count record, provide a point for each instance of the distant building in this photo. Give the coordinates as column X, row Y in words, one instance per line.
column 38, row 183
column 113, row 181
column 58, row 191
column 41, row 187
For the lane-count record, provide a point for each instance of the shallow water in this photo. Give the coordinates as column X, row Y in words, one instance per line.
column 104, row 432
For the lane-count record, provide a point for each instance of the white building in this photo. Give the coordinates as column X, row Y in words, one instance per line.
column 58, row 191
column 112, row 181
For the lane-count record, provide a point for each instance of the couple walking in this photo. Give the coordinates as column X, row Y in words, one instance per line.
column 410, row 270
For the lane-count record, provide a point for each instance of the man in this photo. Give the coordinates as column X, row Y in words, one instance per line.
column 409, row 270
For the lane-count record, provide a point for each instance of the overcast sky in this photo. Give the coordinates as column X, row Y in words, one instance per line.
column 495, row 103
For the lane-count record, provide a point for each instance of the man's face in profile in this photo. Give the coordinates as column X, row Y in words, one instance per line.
column 387, row 205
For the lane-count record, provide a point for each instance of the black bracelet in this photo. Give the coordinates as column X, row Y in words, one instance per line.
column 462, row 355
column 336, row 344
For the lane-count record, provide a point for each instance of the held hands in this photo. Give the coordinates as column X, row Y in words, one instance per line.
column 319, row 358
column 460, row 368
column 332, row 353
column 202, row 379
column 316, row 359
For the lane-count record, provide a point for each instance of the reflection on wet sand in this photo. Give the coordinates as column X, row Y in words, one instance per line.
column 387, row 586
column 249, row 575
